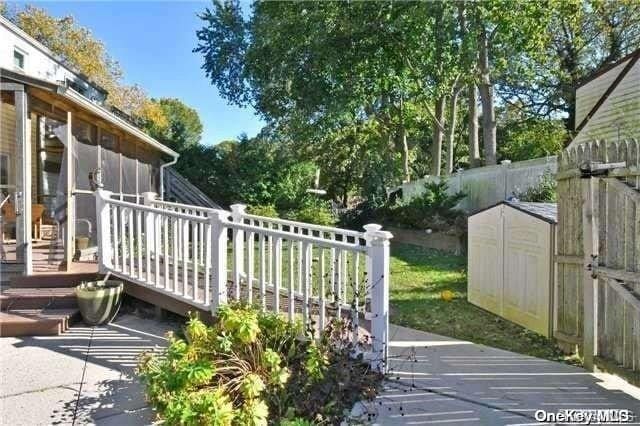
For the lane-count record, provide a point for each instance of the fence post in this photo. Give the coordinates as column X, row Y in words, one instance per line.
column 219, row 221
column 378, row 277
column 237, row 214
column 103, row 222
column 590, row 242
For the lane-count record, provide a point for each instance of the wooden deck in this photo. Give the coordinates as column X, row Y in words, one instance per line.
column 48, row 257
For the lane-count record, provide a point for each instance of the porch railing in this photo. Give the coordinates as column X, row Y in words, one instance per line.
column 206, row 257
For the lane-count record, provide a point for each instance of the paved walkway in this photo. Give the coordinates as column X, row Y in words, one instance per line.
column 86, row 377
column 439, row 380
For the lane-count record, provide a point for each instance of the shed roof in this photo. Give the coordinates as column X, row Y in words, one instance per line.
column 547, row 212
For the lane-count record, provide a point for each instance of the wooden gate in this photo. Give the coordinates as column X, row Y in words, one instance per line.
column 598, row 252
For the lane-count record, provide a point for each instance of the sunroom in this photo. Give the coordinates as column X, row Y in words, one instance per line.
column 55, row 144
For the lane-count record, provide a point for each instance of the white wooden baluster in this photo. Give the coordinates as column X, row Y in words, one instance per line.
column 378, row 274
column 174, row 253
column 123, row 239
column 195, row 245
column 116, row 238
column 164, row 220
column 292, row 299
column 237, row 214
column 306, row 261
column 278, row 274
column 263, row 273
column 345, row 276
column 207, row 262
column 300, row 249
column 219, row 223
column 131, row 238
column 139, row 243
column 103, row 223
column 322, row 291
column 156, row 250
column 338, row 280
column 250, row 268
column 334, row 282
column 356, row 289
column 185, row 257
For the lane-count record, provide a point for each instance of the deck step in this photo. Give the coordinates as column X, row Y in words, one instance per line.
column 52, row 280
column 36, row 322
column 37, row 298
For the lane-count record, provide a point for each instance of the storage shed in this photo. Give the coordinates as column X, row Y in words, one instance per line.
column 510, row 262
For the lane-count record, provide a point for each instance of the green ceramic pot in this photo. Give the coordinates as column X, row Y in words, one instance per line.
column 99, row 302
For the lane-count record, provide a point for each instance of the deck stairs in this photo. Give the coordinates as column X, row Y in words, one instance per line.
column 39, row 305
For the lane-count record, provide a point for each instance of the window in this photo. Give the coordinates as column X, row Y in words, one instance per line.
column 18, row 59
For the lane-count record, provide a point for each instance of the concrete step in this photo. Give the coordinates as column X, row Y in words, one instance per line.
column 51, row 280
column 37, row 298
column 36, row 322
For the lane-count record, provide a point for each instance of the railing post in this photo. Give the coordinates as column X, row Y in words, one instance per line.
column 378, row 284
column 219, row 223
column 148, row 199
column 103, row 222
column 237, row 214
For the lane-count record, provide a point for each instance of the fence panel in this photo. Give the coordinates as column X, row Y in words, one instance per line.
column 616, row 266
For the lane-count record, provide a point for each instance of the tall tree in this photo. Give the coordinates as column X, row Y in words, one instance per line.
column 183, row 127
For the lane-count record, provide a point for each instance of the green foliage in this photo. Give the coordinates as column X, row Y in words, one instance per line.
column 316, row 212
column 434, row 209
column 545, row 191
column 254, row 368
column 182, row 128
column 267, row 210
column 527, row 138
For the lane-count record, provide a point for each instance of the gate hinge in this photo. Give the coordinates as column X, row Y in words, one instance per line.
column 593, row 266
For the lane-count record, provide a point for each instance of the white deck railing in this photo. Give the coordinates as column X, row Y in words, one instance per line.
column 204, row 257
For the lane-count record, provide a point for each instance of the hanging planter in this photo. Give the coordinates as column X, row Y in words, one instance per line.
column 99, row 301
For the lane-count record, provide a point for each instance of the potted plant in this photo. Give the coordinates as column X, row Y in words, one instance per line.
column 99, row 301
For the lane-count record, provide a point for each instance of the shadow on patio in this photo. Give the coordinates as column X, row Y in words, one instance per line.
column 92, row 369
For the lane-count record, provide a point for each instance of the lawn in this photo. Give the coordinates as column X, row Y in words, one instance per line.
column 419, row 276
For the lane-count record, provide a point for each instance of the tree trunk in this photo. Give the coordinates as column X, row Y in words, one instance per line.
column 453, row 112
column 486, row 98
column 474, row 145
column 438, row 135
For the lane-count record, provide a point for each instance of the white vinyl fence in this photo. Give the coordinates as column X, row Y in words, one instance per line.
column 205, row 256
column 486, row 186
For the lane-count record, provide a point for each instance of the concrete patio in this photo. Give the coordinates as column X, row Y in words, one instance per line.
column 86, row 376
column 439, row 380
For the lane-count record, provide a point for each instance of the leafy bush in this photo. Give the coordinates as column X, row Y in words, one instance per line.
column 545, row 191
column 254, row 368
column 317, row 212
column 266, row 210
column 433, row 209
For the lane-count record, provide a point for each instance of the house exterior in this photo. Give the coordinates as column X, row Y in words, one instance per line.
column 608, row 103
column 56, row 133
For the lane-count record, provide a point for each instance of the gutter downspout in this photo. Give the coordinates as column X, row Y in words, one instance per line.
column 162, row 167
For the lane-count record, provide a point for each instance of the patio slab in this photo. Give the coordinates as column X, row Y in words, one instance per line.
column 439, row 380
column 84, row 376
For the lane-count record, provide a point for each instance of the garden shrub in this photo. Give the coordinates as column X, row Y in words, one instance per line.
column 255, row 368
column 545, row 191
column 317, row 212
column 266, row 210
column 434, row 209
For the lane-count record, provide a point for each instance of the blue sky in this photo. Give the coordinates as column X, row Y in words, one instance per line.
column 153, row 43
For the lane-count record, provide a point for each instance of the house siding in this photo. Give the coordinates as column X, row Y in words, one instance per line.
column 617, row 118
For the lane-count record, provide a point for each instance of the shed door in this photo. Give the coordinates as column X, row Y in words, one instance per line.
column 485, row 260
column 527, row 269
